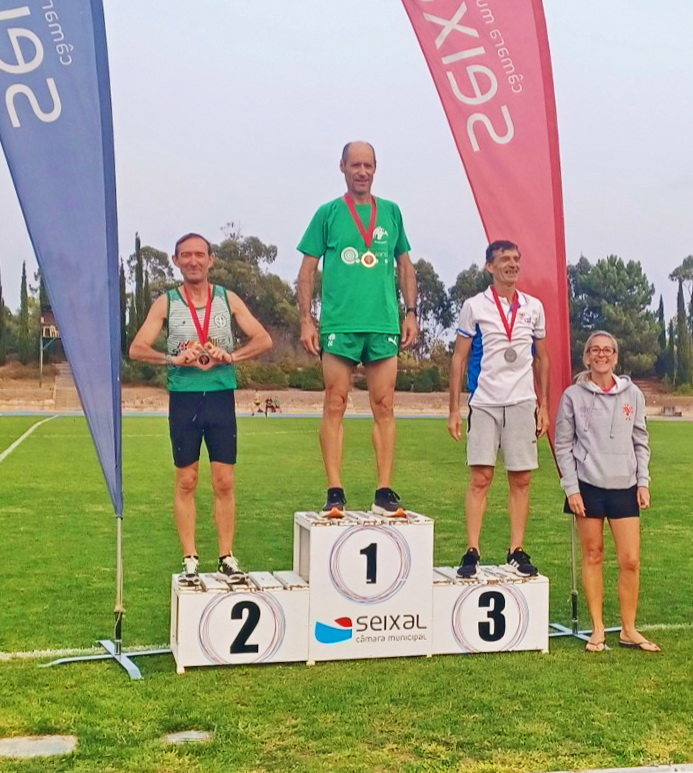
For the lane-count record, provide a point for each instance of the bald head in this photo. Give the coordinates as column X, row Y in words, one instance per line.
column 357, row 145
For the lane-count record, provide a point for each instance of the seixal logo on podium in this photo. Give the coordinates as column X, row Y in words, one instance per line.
column 334, row 634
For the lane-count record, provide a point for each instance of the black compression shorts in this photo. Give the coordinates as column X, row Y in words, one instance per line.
column 193, row 416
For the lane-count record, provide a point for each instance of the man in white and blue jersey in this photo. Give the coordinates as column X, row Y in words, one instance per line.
column 501, row 344
column 200, row 357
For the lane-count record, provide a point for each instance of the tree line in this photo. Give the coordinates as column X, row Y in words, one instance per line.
column 610, row 294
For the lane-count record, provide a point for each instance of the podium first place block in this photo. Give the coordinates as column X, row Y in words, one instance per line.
column 370, row 580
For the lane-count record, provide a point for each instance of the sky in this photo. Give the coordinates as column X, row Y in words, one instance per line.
column 237, row 110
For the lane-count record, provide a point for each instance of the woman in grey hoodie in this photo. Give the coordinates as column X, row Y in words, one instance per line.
column 602, row 451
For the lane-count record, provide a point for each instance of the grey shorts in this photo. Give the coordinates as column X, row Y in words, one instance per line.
column 512, row 428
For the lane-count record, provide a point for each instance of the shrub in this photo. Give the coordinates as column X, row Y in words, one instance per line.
column 133, row 372
column 405, row 381
column 267, row 376
column 427, row 380
column 309, row 379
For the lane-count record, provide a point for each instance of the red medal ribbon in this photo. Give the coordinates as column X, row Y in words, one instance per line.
column 367, row 235
column 202, row 330
column 514, row 305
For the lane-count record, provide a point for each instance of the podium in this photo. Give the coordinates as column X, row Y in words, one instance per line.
column 362, row 586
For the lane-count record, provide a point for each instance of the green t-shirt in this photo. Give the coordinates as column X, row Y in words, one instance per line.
column 182, row 332
column 357, row 298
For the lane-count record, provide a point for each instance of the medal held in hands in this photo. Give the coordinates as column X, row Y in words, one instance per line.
column 203, row 329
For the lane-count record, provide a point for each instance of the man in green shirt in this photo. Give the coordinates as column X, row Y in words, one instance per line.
column 365, row 253
column 200, row 356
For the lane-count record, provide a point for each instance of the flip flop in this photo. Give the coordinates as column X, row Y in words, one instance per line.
column 596, row 646
column 645, row 645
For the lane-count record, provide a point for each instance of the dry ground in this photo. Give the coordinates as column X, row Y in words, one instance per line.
column 20, row 391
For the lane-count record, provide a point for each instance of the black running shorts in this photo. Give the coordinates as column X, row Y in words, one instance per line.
column 608, row 502
column 193, row 416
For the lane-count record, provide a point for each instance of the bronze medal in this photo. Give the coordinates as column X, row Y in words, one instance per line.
column 368, row 259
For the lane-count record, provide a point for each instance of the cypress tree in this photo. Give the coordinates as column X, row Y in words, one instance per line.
column 684, row 367
column 123, row 312
column 139, row 285
column 23, row 348
column 147, row 294
column 660, row 364
column 670, row 355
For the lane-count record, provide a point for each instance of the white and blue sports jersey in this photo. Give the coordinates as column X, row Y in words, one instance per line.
column 491, row 379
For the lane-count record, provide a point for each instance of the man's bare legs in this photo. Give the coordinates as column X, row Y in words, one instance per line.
column 475, row 502
column 184, row 511
column 381, row 377
column 223, row 484
column 336, row 373
column 518, row 505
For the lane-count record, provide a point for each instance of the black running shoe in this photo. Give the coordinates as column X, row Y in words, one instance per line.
column 469, row 564
column 336, row 502
column 519, row 563
column 387, row 503
column 228, row 566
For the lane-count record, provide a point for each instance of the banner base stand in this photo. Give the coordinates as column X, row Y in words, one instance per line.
column 562, row 630
column 114, row 652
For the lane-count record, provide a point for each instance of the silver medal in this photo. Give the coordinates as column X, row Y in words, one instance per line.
column 510, row 355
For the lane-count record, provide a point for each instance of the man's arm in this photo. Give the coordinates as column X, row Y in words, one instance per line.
column 310, row 339
column 407, row 283
column 142, row 346
column 458, row 366
column 259, row 340
column 541, row 374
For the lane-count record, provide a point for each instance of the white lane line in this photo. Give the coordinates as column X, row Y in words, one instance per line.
column 21, row 439
column 70, row 653
column 666, row 627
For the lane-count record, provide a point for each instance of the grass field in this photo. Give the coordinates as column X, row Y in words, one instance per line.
column 501, row 712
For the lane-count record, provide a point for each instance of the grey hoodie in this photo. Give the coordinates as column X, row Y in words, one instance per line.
column 601, row 437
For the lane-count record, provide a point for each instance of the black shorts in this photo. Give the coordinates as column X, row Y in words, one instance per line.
column 608, row 502
column 193, row 416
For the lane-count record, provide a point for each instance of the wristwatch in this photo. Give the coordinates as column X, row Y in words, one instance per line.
column 410, row 310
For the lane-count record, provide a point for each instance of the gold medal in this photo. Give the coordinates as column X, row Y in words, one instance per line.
column 368, row 259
